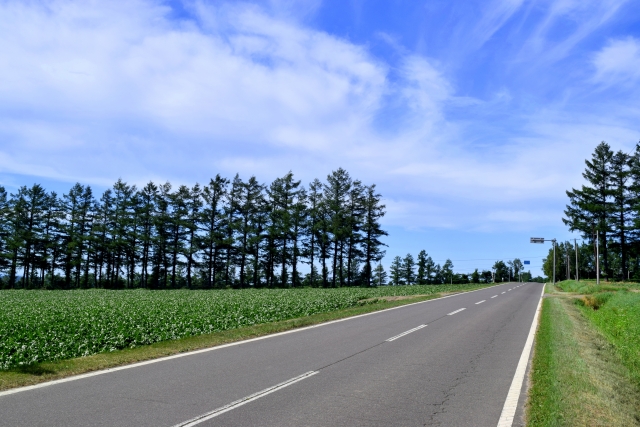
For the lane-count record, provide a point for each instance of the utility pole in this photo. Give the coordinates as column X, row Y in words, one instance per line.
column 554, row 261
column 575, row 242
column 597, row 257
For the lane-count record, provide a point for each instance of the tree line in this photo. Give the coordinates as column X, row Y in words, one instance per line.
column 605, row 211
column 424, row 271
column 229, row 233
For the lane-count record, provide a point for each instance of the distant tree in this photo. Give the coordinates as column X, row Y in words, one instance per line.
column 437, row 274
column 191, row 247
column 447, row 271
column 146, row 212
column 421, row 277
column 516, row 267
column 34, row 201
column 5, row 214
column 408, row 273
column 396, row 271
column 501, row 271
column 487, row 276
column 336, row 192
column 211, row 223
column 299, row 234
column 314, row 222
column 621, row 219
column 250, row 205
column 379, row 276
column 475, row 276
column 284, row 194
column 373, row 211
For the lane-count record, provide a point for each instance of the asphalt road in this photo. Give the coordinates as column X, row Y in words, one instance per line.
column 455, row 371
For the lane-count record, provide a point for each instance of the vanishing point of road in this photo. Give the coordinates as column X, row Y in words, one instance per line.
column 445, row 362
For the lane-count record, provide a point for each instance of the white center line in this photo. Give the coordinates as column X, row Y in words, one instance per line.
column 494, row 296
column 457, row 311
column 480, row 302
column 405, row 333
column 226, row 408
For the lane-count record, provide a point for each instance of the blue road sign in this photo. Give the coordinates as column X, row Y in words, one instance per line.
column 527, row 262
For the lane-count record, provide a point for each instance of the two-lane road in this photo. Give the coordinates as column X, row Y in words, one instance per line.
column 446, row 362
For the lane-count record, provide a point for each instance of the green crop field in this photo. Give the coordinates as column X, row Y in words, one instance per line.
column 37, row 326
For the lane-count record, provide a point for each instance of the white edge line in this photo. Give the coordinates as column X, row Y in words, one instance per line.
column 204, row 350
column 405, row 333
column 457, row 311
column 226, row 408
column 511, row 403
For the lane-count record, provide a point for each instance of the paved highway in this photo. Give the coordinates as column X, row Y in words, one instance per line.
column 445, row 362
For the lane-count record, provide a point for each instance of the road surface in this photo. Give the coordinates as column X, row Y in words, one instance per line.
column 445, row 362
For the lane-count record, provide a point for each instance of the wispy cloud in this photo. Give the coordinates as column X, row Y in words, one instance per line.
column 565, row 24
column 100, row 90
column 494, row 15
column 618, row 62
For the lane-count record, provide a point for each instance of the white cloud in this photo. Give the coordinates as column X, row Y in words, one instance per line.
column 618, row 62
column 97, row 91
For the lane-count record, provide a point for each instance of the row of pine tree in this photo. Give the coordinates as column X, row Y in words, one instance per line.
column 424, row 271
column 606, row 210
column 229, row 233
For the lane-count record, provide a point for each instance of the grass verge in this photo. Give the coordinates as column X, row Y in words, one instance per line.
column 590, row 286
column 47, row 371
column 577, row 376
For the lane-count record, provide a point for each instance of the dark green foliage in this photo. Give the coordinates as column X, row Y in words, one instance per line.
column 408, row 273
column 475, row 276
column 226, row 234
column 396, row 272
column 608, row 206
column 500, row 271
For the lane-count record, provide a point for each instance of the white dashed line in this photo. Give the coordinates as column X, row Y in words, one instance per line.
column 494, row 296
column 226, row 408
column 457, row 311
column 405, row 333
column 504, row 292
column 480, row 302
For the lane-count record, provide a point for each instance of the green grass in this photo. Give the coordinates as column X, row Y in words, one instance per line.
column 577, row 379
column 586, row 365
column 545, row 407
column 590, row 286
column 618, row 319
column 40, row 326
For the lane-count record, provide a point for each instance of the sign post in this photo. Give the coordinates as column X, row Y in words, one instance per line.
column 542, row 240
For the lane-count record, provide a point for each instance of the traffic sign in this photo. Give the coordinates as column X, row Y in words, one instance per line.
column 537, row 240
column 527, row 262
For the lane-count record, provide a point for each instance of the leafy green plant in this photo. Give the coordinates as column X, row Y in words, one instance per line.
column 37, row 326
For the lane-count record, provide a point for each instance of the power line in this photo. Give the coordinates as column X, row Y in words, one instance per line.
column 483, row 259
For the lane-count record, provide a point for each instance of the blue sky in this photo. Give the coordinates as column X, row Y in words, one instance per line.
column 472, row 117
